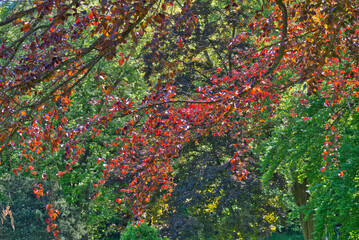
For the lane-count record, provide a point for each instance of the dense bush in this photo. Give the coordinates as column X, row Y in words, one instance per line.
column 141, row 232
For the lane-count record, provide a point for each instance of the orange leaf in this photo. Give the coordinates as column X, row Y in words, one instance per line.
column 26, row 27
column 41, row 107
column 107, row 90
column 2, row 137
column 53, row 216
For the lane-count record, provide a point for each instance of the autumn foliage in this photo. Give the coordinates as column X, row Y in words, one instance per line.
column 315, row 41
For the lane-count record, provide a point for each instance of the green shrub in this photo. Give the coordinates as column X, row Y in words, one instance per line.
column 286, row 236
column 141, row 232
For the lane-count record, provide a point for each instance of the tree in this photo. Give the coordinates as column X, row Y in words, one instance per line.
column 27, row 220
column 306, row 161
column 209, row 203
column 45, row 60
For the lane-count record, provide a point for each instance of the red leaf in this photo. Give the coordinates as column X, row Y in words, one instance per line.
column 158, row 18
column 44, row 176
column 91, row 15
column 134, row 38
column 56, row 233
column 121, row 61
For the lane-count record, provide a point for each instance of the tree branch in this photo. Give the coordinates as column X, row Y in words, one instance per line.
column 18, row 15
column 284, row 36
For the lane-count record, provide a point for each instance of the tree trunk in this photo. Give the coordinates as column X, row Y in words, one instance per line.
column 301, row 197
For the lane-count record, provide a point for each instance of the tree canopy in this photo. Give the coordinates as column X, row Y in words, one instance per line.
column 113, row 98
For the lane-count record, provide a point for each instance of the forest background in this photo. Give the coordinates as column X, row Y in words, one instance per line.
column 197, row 119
